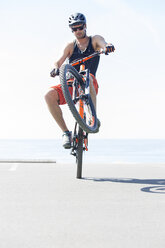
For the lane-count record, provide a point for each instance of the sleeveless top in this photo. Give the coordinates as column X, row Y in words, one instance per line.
column 91, row 64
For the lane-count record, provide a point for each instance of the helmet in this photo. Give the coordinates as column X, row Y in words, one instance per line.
column 76, row 19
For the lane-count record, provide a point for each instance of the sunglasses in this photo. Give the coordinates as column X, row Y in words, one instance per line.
column 78, row 28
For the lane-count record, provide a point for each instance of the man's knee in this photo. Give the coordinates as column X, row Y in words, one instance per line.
column 52, row 96
column 92, row 88
column 93, row 85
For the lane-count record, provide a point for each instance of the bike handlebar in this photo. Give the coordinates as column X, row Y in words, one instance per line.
column 54, row 73
column 80, row 61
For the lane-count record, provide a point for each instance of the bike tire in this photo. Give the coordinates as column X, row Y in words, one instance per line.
column 79, row 153
column 63, row 79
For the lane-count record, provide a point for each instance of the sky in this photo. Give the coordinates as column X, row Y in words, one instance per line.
column 131, row 97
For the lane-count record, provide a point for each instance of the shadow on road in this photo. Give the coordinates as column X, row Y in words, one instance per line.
column 160, row 188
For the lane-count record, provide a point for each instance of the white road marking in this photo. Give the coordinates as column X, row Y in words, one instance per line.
column 14, row 167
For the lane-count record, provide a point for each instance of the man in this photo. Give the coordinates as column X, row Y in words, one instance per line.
column 81, row 47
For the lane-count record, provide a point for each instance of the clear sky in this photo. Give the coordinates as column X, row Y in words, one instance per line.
column 131, row 98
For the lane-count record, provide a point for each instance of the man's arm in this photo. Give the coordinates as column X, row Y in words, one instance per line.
column 100, row 43
column 66, row 53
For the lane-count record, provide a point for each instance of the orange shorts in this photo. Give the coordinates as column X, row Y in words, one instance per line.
column 60, row 93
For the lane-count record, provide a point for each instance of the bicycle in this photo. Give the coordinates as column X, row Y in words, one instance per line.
column 80, row 105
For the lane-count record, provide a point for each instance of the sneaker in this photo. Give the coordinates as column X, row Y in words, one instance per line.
column 66, row 138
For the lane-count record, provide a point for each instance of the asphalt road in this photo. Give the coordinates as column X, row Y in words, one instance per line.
column 113, row 206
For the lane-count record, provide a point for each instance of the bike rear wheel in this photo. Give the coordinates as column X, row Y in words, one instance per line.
column 88, row 122
column 79, row 153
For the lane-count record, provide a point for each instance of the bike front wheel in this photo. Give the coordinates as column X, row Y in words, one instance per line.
column 78, row 99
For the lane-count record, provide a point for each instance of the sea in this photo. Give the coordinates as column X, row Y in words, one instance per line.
column 105, row 151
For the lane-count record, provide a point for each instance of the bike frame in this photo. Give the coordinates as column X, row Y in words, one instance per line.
column 82, row 96
column 81, row 112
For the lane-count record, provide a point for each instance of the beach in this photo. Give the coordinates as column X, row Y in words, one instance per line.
column 113, row 205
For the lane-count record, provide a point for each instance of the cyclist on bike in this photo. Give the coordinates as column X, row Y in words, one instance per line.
column 82, row 46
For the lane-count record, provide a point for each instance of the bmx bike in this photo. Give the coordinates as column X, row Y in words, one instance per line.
column 80, row 105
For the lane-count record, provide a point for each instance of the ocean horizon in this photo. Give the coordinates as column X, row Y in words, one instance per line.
column 100, row 151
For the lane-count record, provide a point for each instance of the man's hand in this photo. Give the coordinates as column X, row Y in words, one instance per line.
column 109, row 48
column 54, row 72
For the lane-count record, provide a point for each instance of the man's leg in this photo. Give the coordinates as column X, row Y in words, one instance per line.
column 92, row 91
column 52, row 99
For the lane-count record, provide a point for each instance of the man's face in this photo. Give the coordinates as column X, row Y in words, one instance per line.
column 79, row 31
